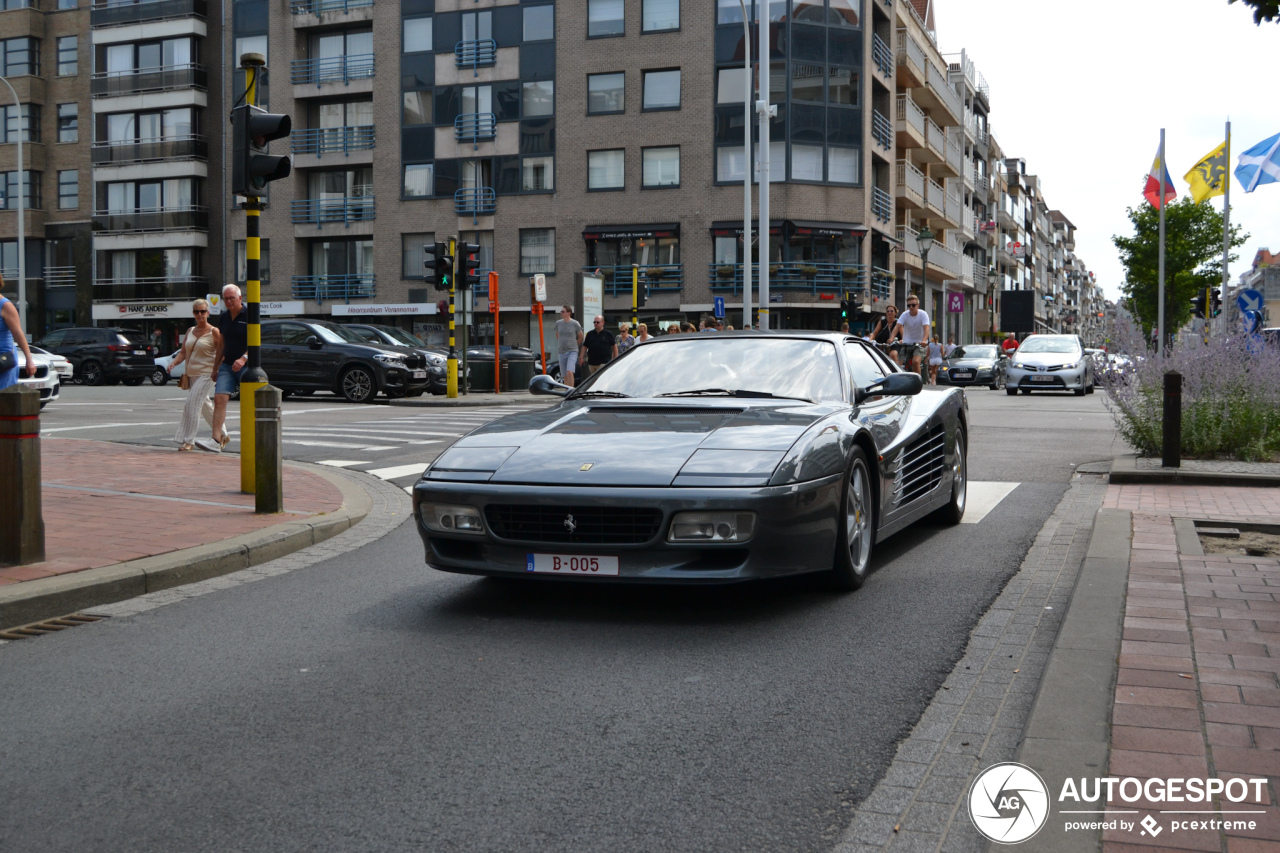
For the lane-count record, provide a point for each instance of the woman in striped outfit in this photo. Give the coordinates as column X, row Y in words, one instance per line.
column 198, row 350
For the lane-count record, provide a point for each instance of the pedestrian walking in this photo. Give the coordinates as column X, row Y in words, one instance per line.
column 886, row 331
column 949, row 348
column 935, row 359
column 719, row 325
column 12, row 339
column 598, row 346
column 568, row 342
column 844, row 328
column 913, row 330
column 228, row 364
column 625, row 339
column 686, row 328
column 199, row 350
column 643, row 330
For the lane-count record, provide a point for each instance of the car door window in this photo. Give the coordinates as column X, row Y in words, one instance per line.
column 369, row 335
column 294, row 334
column 271, row 334
column 54, row 339
column 863, row 368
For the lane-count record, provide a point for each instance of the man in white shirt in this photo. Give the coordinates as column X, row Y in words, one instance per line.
column 914, row 328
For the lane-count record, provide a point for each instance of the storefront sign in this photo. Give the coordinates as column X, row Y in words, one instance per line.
column 592, row 298
column 383, row 310
column 140, row 310
column 955, row 303
column 629, row 232
column 265, row 309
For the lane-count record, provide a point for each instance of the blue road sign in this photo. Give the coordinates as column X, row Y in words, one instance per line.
column 1250, row 300
column 719, row 309
column 1251, row 320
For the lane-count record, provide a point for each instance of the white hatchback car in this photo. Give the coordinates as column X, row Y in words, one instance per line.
column 1050, row 363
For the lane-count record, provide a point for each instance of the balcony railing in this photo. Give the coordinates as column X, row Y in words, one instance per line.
column 317, row 7
column 476, row 201
column 112, row 14
column 881, row 205
column 882, row 55
column 935, row 137
column 166, row 219
column 330, row 288
column 661, row 277
column 475, row 128
column 910, row 112
column 332, row 140
column 942, row 88
column 333, row 69
column 935, row 196
column 59, row 276
column 882, row 130
column 953, row 205
column 910, row 243
column 881, row 283
column 911, row 182
column 153, row 281
column 911, row 53
column 793, row 275
column 323, row 211
column 955, row 149
column 475, row 54
column 182, row 147
column 158, row 79
column 945, row 258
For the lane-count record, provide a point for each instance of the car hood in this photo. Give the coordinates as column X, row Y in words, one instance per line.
column 970, row 362
column 1047, row 359
column 636, row 443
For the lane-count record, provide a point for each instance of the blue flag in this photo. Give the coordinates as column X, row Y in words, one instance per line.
column 1260, row 164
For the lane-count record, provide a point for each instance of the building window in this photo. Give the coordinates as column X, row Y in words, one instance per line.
column 659, row 15
column 730, row 85
column 68, row 56
column 662, row 90
column 69, row 189
column 21, row 122
column 33, row 199
column 730, row 163
column 417, row 35
column 844, row 13
column 604, row 18
column 412, row 256
column 807, row 82
column 843, row 165
column 68, row 4
column 250, row 44
column 20, row 56
column 68, row 122
column 419, row 180
column 539, row 23
column 537, row 250
column 842, row 87
column 417, row 107
column 538, row 174
column 605, row 169
column 264, row 261
column 539, row 98
column 605, row 93
column 806, row 162
column 661, row 167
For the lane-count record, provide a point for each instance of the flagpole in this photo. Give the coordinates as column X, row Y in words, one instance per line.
column 1226, row 215
column 1160, row 292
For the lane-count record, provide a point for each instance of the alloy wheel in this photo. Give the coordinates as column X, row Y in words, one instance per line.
column 858, row 518
column 91, row 372
column 357, row 385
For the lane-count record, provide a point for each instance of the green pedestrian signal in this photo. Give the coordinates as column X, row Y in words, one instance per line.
column 439, row 265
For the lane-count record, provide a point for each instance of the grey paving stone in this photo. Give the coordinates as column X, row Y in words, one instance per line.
column 918, row 750
column 905, row 773
column 915, row 842
column 886, row 799
column 950, row 764
column 872, row 828
column 928, row 817
column 942, row 789
column 975, row 723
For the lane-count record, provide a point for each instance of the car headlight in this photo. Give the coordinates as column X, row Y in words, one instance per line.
column 389, row 359
column 1017, row 365
column 444, row 518
column 712, row 527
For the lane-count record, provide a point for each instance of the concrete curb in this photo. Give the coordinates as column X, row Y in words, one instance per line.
column 1068, row 734
column 1124, row 470
column 509, row 398
column 32, row 601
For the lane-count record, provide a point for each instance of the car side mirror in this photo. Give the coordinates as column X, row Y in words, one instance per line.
column 543, row 386
column 314, row 342
column 895, row 384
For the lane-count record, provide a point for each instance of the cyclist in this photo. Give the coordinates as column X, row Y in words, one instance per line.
column 914, row 330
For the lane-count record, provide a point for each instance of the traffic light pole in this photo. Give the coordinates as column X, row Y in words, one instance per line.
column 254, row 377
column 452, row 387
column 635, row 298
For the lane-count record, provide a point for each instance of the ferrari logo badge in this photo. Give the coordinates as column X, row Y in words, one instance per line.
column 586, row 466
column 569, row 523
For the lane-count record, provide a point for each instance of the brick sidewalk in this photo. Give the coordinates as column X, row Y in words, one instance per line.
column 107, row 503
column 1197, row 693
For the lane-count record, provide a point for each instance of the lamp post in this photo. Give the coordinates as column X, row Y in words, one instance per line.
column 746, row 166
column 993, row 278
column 22, row 224
column 765, row 113
column 924, row 242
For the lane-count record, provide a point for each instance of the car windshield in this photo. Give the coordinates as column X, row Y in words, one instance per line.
column 781, row 367
column 335, row 334
column 1048, row 344
column 401, row 337
column 137, row 339
column 974, row 352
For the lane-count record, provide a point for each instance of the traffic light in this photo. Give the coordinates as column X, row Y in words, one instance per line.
column 252, row 168
column 1198, row 304
column 1215, row 302
column 642, row 292
column 438, row 263
column 844, row 310
column 469, row 268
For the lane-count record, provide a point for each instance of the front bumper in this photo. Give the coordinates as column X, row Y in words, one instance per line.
column 1067, row 379
column 47, row 385
column 979, row 376
column 795, row 532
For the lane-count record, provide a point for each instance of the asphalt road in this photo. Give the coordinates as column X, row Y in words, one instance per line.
column 367, row 703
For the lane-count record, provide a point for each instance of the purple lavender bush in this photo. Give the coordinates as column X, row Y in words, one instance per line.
column 1230, row 396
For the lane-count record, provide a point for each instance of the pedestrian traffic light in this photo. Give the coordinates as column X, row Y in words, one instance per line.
column 1215, row 302
column 469, row 268
column 642, row 292
column 844, row 309
column 1198, row 304
column 438, row 263
column 252, row 168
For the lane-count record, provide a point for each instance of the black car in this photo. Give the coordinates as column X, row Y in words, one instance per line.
column 437, row 361
column 974, row 364
column 103, row 356
column 302, row 356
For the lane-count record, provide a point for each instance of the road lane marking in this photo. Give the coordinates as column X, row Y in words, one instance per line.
column 984, row 497
column 338, row 445
column 335, row 433
column 342, row 463
column 398, row 471
column 110, row 426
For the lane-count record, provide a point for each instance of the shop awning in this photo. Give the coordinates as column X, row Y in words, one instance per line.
column 615, row 232
column 826, row 229
column 733, row 227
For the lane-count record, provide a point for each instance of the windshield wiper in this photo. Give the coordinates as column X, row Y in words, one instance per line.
column 600, row 394
column 737, row 392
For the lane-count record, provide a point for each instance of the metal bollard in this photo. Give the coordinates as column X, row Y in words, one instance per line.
column 21, row 512
column 268, row 495
column 1172, row 456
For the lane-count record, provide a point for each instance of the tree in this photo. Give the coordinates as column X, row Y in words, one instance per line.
column 1263, row 10
column 1193, row 259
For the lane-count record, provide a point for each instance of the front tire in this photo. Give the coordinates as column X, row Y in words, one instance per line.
column 1012, row 392
column 954, row 511
column 358, row 385
column 91, row 373
column 159, row 376
column 857, row 529
column 1026, row 391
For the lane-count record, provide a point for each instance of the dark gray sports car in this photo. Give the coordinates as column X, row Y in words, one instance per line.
column 702, row 459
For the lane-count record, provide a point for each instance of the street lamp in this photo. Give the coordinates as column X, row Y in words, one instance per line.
column 22, row 225
column 924, row 242
column 746, row 167
column 993, row 278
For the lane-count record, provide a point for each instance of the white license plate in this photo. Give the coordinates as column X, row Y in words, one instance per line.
column 572, row 564
column 419, row 374
column 1042, row 378
column 139, row 352
column 958, row 375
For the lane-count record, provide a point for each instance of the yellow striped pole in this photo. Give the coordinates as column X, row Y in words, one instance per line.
column 254, row 376
column 452, row 386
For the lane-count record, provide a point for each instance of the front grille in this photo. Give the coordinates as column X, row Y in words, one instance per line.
column 41, row 371
column 622, row 525
column 920, row 470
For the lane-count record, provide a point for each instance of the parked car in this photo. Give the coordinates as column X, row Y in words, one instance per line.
column 164, row 370
column 1050, row 363
column 974, row 364
column 101, row 356
column 303, row 356
column 437, row 362
column 46, row 380
column 60, row 364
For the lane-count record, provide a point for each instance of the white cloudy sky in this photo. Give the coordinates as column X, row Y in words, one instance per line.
column 1081, row 90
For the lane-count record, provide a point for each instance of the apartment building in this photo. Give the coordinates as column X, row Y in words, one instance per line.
column 45, row 56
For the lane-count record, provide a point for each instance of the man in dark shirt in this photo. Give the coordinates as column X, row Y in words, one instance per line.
column 599, row 346
column 229, row 363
